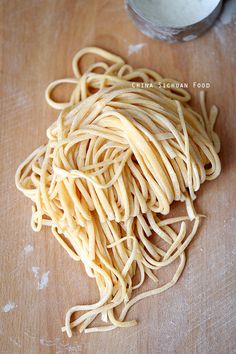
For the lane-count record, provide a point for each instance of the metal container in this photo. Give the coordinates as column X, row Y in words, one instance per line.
column 147, row 18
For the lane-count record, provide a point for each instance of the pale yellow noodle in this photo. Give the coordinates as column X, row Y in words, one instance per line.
column 116, row 158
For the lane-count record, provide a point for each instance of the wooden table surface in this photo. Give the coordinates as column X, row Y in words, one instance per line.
column 38, row 41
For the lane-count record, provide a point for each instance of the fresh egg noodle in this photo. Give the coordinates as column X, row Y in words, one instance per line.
column 116, row 158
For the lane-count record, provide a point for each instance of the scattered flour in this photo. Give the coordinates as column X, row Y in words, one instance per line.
column 59, row 347
column 15, row 342
column 43, row 282
column 229, row 223
column 62, row 348
column 35, row 270
column 134, row 48
column 23, row 101
column 28, row 249
column 9, row 307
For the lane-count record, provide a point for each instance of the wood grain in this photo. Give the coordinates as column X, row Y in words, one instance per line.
column 38, row 40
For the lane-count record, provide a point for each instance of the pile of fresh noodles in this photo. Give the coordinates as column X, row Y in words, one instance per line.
column 116, row 158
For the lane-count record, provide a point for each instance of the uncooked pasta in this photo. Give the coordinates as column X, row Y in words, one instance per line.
column 119, row 154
